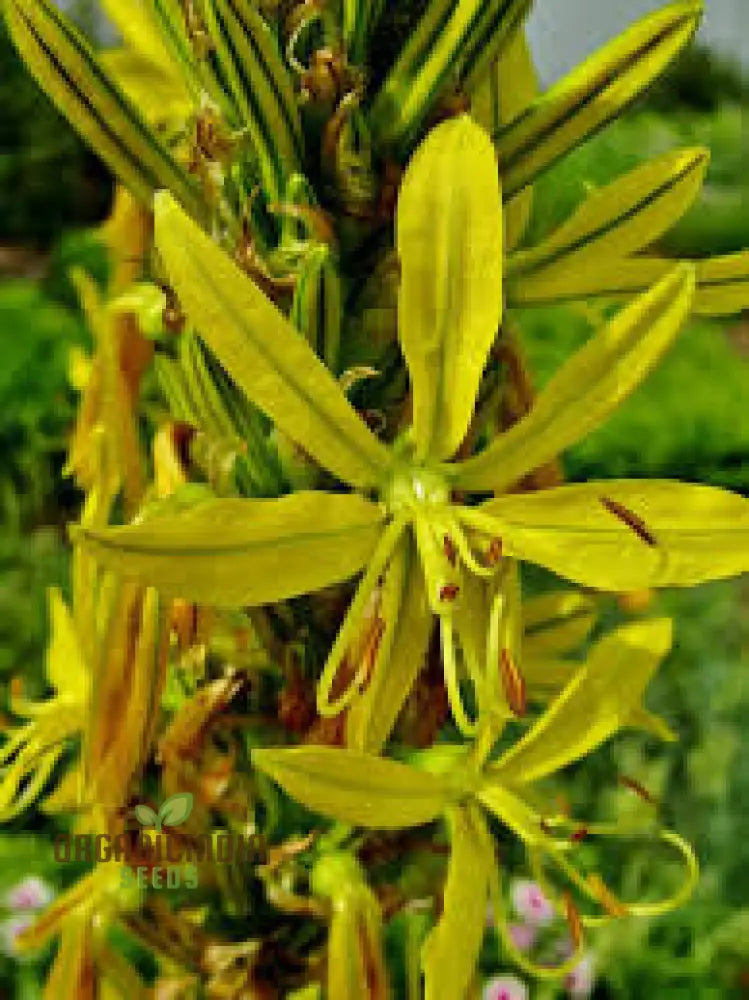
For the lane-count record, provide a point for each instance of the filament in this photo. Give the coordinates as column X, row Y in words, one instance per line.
column 464, row 549
column 464, row 724
column 502, row 923
column 555, row 852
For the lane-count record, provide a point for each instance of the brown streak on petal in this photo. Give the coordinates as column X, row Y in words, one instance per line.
column 632, row 520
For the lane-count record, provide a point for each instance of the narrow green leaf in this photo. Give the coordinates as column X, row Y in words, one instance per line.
column 450, row 953
column 723, row 285
column 160, row 96
column 593, row 707
column 357, row 788
column 317, row 309
column 359, row 19
column 233, row 552
column 66, row 68
column 441, row 40
column 168, row 15
column 145, row 67
column 593, row 94
column 588, row 387
column 489, row 40
column 722, row 282
column 140, row 29
column 658, row 534
column 621, row 218
column 449, row 235
column 266, row 357
column 249, row 63
column 503, row 92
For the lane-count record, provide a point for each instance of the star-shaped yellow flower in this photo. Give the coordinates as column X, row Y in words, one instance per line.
column 408, row 513
column 465, row 789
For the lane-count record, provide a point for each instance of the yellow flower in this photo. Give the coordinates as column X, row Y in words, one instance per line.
column 414, row 523
column 32, row 752
column 467, row 788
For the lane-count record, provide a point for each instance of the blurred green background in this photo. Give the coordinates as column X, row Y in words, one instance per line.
column 689, row 421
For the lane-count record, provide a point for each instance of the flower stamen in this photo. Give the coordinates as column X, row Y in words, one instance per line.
column 513, row 684
column 493, row 554
column 638, row 789
column 574, row 920
column 464, row 724
column 613, row 906
column 450, row 550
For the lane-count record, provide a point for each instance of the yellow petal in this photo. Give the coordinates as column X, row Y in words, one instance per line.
column 233, row 552
column 66, row 667
column 667, row 534
column 356, row 787
column 408, row 623
column 449, row 235
column 594, row 705
column 272, row 363
column 516, row 814
column 451, row 951
column 588, row 387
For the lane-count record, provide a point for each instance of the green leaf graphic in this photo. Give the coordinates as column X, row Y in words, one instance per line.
column 146, row 816
column 176, row 809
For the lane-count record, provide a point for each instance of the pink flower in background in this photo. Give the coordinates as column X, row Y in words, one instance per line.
column 523, row 936
column 505, row 988
column 32, row 893
column 580, row 982
column 530, row 903
column 9, row 931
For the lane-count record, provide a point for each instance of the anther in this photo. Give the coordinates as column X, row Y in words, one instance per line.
column 450, row 552
column 449, row 592
column 494, row 552
column 172, row 317
column 638, row 789
column 632, row 520
column 574, row 920
column 371, row 652
column 513, row 684
column 579, row 834
column 613, row 906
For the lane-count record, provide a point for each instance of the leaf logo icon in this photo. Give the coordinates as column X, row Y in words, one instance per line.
column 174, row 811
column 146, row 816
